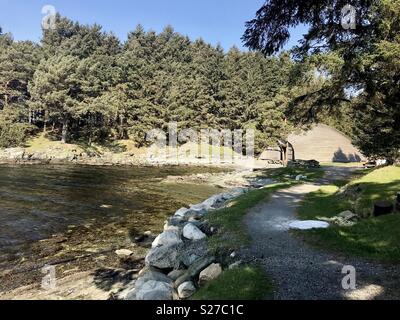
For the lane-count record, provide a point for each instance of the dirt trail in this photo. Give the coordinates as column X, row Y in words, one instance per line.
column 301, row 272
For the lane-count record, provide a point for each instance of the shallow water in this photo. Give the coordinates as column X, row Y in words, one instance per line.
column 37, row 201
column 96, row 207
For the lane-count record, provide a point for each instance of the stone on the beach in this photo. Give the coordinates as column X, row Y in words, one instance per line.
column 191, row 232
column 195, row 214
column 181, row 212
column 186, row 290
column 237, row 192
column 198, row 207
column 212, row 272
column 128, row 293
column 175, row 274
column 163, row 257
column 212, row 201
column 155, row 290
column 194, row 270
column 308, row 225
column 123, row 253
column 174, row 221
column 169, row 237
column 191, row 251
column 151, row 275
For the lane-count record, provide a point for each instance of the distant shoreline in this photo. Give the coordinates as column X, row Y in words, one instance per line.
column 24, row 156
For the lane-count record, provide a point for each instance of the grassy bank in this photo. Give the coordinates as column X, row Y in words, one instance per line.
column 374, row 237
column 232, row 235
column 243, row 283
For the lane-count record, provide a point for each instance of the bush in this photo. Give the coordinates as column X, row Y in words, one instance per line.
column 14, row 134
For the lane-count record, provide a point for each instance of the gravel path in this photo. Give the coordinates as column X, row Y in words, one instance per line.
column 301, row 272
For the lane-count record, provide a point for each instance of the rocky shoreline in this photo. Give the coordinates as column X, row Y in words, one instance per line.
column 75, row 155
column 179, row 261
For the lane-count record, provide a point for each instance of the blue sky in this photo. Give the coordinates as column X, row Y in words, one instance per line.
column 216, row 21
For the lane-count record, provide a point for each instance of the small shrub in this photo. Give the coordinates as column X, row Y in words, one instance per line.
column 14, row 134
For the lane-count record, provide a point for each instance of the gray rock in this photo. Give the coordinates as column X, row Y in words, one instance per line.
column 348, row 215
column 237, row 192
column 175, row 274
column 191, row 251
column 123, row 253
column 191, row 232
column 195, row 214
column 212, row 272
column 186, row 290
column 128, row 292
column 194, row 270
column 181, row 212
column 169, row 237
column 175, row 221
column 155, row 290
column 163, row 257
column 152, row 276
column 208, row 204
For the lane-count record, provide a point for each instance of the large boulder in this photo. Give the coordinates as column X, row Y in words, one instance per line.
column 163, row 257
column 209, row 204
column 155, row 290
column 186, row 290
column 170, row 236
column 152, row 275
column 191, row 232
column 212, row 272
column 191, row 251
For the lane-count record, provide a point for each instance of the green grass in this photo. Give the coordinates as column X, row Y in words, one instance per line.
column 376, row 238
column 242, row 283
column 232, row 234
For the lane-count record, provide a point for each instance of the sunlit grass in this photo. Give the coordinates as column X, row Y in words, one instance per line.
column 243, row 283
column 374, row 237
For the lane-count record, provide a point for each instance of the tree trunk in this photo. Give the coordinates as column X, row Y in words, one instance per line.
column 45, row 122
column 64, row 134
column 122, row 132
column 285, row 156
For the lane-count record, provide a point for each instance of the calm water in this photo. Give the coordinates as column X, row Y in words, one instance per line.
column 39, row 201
